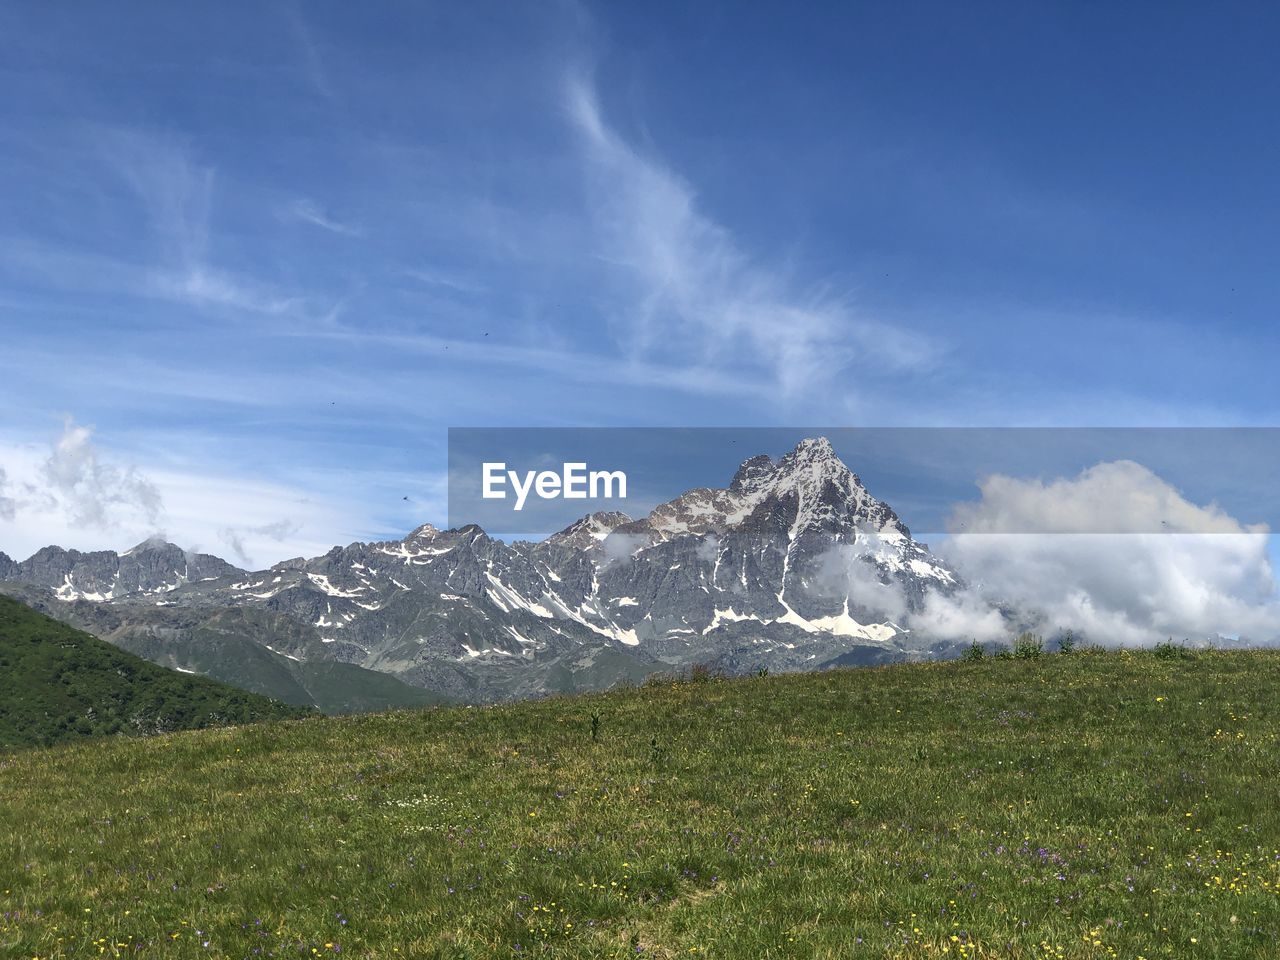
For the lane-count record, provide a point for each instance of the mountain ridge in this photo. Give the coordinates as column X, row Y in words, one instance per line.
column 792, row 566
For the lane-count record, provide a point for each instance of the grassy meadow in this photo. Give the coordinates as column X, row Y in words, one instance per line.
column 1082, row 805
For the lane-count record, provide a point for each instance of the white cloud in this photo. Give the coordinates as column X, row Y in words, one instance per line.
column 8, row 506
column 964, row 615
column 566, row 365
column 708, row 549
column 844, row 571
column 1210, row 576
column 698, row 294
column 91, row 491
column 618, row 547
column 1115, row 497
column 439, row 278
column 268, row 520
column 78, row 496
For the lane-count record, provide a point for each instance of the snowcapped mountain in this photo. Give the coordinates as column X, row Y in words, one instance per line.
column 152, row 567
column 794, row 565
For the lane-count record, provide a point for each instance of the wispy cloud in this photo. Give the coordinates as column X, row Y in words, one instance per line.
column 573, row 366
column 312, row 63
column 436, row 278
column 308, row 211
column 176, row 192
column 203, row 286
column 699, row 294
column 235, row 537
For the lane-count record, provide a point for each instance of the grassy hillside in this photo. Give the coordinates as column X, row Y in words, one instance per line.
column 58, row 684
column 338, row 688
column 228, row 646
column 1090, row 805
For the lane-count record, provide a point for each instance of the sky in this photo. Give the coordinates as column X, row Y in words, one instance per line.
column 256, row 259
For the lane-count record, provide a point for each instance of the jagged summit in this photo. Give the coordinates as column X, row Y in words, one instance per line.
column 812, row 459
column 829, row 493
column 816, row 457
column 590, row 531
column 811, row 483
column 811, row 450
column 151, row 567
column 154, row 543
column 752, row 473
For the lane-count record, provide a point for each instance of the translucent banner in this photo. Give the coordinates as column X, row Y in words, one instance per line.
column 534, row 481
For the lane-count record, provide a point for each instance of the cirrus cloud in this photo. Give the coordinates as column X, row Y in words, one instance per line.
column 696, row 292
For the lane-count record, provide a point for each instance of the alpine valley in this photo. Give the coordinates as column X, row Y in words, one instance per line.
column 795, row 566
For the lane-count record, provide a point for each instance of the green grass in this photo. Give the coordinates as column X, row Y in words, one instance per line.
column 58, row 684
column 1090, row 805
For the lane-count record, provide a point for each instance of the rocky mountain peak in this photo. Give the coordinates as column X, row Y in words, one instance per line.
column 155, row 546
column 828, row 495
column 752, row 474
column 813, row 448
column 814, row 457
column 590, row 531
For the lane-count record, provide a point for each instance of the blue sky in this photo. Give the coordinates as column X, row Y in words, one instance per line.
column 269, row 253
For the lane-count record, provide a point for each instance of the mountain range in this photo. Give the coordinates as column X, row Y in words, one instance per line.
column 793, row 566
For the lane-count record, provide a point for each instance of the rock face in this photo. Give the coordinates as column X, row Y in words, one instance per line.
column 152, row 567
column 794, row 565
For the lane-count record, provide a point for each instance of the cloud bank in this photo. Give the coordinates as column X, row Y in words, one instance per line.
column 1119, row 496
column 1210, row 576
